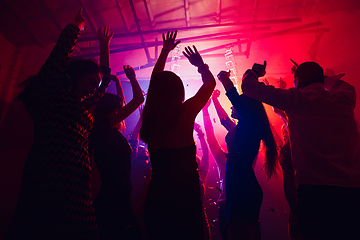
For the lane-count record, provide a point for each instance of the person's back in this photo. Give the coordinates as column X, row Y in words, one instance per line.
column 175, row 130
column 324, row 136
column 167, row 128
column 324, row 139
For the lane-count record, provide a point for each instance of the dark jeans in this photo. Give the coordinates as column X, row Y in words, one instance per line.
column 329, row 212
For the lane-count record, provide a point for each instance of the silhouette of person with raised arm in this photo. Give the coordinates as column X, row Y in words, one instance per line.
column 285, row 160
column 324, row 140
column 203, row 166
column 55, row 200
column 140, row 172
column 112, row 154
column 173, row 208
column 243, row 192
column 219, row 154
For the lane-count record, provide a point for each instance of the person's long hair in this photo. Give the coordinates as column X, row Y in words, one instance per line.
column 27, row 96
column 267, row 137
column 108, row 103
column 271, row 150
column 163, row 104
column 75, row 68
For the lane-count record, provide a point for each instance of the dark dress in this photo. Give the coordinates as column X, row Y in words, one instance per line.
column 173, row 208
column 243, row 192
column 112, row 154
column 55, row 201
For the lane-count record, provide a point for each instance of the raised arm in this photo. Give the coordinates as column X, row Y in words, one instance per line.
column 198, row 101
column 119, row 89
column 236, row 100
column 55, row 64
column 330, row 81
column 136, row 101
column 135, row 133
column 168, row 45
column 345, row 92
column 204, row 162
column 134, row 138
column 282, row 115
column 282, row 85
column 223, row 116
column 283, row 99
column 104, row 37
column 214, row 145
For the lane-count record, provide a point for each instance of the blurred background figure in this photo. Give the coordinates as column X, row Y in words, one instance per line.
column 112, row 154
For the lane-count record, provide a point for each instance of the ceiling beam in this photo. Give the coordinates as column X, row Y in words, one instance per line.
column 23, row 24
column 119, row 35
column 254, row 19
column 315, row 7
column 137, row 21
column 50, row 15
column 276, row 8
column 221, row 36
column 121, row 15
column 304, row 7
column 255, row 10
column 187, row 13
column 85, row 13
column 218, row 11
column 287, row 31
column 168, row 11
column 148, row 15
column 277, row 33
column 330, row 6
column 209, row 37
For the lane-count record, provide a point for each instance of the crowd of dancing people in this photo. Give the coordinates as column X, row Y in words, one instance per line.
column 76, row 120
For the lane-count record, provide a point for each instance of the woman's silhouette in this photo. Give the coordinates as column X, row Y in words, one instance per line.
column 173, row 205
column 112, row 154
column 243, row 192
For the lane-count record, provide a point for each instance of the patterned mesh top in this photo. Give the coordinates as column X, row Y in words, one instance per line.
column 55, row 201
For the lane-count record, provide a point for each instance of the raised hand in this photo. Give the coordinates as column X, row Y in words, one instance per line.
column 79, row 20
column 169, row 42
column 114, row 77
column 129, row 72
column 294, row 67
column 266, row 82
column 193, row 56
column 216, row 94
column 259, row 69
column 330, row 81
column 104, row 36
column 197, row 128
column 281, row 84
column 222, row 74
column 79, row 17
column 224, row 77
column 141, row 109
